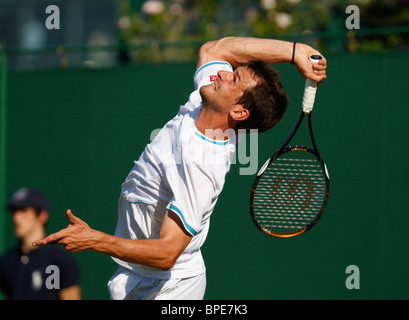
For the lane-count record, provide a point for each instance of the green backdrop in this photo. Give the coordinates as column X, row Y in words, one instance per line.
column 75, row 134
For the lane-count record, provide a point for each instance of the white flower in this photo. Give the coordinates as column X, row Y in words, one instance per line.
column 283, row 20
column 268, row 4
column 152, row 7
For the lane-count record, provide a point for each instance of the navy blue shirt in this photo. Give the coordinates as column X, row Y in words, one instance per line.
column 24, row 276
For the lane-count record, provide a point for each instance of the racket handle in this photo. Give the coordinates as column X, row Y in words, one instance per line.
column 310, row 89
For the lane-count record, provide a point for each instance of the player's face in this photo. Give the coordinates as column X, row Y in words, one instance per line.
column 26, row 221
column 227, row 89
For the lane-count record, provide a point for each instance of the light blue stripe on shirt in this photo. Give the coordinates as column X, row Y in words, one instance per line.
column 187, row 226
column 141, row 202
column 219, row 143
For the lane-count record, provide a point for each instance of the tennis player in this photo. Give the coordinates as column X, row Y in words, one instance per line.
column 169, row 195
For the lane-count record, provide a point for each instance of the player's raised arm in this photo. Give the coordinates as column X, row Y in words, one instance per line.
column 241, row 50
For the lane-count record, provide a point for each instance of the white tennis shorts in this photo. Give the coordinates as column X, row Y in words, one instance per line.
column 127, row 285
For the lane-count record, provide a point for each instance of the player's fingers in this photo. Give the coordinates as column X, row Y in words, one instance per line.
column 317, row 77
column 319, row 67
column 320, row 72
column 75, row 220
column 71, row 217
column 51, row 239
column 37, row 243
column 323, row 61
column 71, row 248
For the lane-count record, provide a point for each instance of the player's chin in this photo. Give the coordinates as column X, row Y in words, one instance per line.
column 206, row 92
column 208, row 88
column 203, row 90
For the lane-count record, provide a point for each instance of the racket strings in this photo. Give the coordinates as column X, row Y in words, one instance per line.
column 290, row 193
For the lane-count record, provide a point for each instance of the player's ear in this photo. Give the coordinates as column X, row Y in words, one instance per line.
column 43, row 216
column 239, row 113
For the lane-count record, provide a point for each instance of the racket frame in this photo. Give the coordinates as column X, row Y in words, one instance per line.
column 283, row 149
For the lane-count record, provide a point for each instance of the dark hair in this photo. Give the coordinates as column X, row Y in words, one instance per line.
column 267, row 101
column 37, row 210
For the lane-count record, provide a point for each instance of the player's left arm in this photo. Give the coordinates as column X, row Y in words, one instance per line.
column 241, row 50
column 70, row 293
column 159, row 253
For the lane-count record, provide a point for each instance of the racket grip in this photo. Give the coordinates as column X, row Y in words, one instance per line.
column 310, row 89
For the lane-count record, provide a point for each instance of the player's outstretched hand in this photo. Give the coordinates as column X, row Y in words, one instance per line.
column 78, row 236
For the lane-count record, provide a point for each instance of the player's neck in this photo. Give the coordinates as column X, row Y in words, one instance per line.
column 213, row 125
column 26, row 242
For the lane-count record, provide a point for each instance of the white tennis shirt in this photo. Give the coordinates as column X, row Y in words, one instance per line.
column 180, row 170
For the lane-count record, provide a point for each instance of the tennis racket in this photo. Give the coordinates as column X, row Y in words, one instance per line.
column 291, row 189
